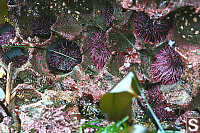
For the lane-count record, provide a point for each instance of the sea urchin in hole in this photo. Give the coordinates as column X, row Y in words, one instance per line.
column 63, row 56
column 151, row 30
column 99, row 51
column 7, row 32
column 167, row 67
column 17, row 56
column 162, row 109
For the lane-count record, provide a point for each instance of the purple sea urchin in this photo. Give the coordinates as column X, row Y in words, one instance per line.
column 99, row 50
column 167, row 67
column 155, row 95
column 41, row 26
column 162, row 109
column 17, row 56
column 165, row 111
column 35, row 20
column 7, row 32
column 63, row 56
column 88, row 108
column 107, row 13
column 150, row 30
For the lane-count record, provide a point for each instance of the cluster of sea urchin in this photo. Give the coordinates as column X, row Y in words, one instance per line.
column 151, row 30
column 63, row 56
column 99, row 51
column 167, row 67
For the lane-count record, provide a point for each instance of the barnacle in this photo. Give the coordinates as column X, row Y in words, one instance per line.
column 11, row 2
column 82, row 6
column 187, row 22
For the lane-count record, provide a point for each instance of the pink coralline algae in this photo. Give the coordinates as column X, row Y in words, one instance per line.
column 63, row 56
column 167, row 67
column 150, row 30
column 99, row 51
